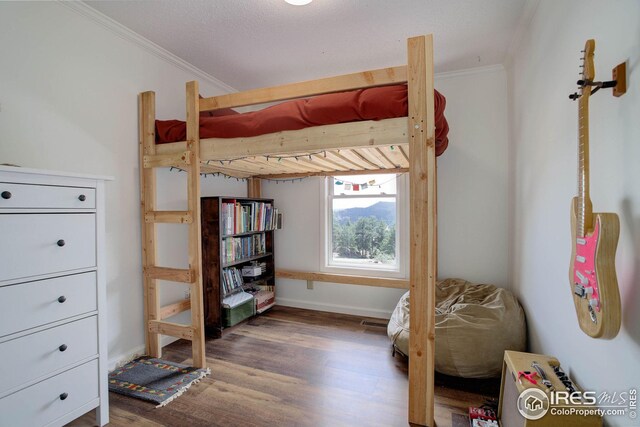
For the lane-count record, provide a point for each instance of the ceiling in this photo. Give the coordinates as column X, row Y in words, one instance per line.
column 255, row 43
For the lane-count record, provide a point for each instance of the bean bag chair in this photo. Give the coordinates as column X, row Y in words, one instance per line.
column 475, row 324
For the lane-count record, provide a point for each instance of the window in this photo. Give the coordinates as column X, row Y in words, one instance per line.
column 363, row 222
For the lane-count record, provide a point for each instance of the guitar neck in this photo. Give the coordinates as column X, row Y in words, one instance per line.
column 585, row 210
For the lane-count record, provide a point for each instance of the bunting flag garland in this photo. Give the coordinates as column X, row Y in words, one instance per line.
column 364, row 186
column 347, row 187
column 356, row 187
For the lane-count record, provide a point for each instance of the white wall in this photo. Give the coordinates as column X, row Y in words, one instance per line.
column 543, row 155
column 472, row 205
column 68, row 96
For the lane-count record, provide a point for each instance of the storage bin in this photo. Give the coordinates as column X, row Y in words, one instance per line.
column 235, row 315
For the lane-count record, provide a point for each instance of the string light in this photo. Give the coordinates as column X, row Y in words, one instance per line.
column 348, row 184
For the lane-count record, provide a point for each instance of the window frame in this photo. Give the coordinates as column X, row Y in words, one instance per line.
column 402, row 229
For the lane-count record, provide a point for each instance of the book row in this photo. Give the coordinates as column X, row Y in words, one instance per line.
column 231, row 280
column 237, row 248
column 244, row 216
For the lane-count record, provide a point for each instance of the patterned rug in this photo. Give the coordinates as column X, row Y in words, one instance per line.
column 154, row 380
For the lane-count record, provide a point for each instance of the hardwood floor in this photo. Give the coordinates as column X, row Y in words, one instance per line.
column 294, row 367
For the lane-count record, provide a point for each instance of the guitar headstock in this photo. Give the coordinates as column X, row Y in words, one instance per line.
column 587, row 71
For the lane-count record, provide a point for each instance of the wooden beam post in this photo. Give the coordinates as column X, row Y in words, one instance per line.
column 423, row 244
column 384, row 282
column 195, row 236
column 346, row 82
column 254, row 188
column 147, row 143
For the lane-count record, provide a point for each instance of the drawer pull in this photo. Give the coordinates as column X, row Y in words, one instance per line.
column 62, row 299
column 6, row 195
column 63, row 396
column 82, row 197
column 63, row 347
column 60, row 243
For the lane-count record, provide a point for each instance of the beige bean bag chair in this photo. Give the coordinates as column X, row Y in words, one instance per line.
column 475, row 324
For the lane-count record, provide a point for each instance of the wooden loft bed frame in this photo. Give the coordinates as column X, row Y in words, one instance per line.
column 386, row 146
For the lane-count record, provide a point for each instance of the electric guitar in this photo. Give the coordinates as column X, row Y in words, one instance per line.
column 592, row 274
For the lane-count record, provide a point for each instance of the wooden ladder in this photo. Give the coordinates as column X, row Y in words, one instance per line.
column 189, row 160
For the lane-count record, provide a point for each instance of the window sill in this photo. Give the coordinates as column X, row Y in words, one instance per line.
column 359, row 271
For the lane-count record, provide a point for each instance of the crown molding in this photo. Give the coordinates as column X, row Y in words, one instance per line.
column 127, row 34
column 528, row 12
column 147, row 45
column 468, row 71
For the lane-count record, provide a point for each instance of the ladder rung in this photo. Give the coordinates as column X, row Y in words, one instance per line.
column 172, row 329
column 175, row 217
column 175, row 308
column 166, row 160
column 170, row 274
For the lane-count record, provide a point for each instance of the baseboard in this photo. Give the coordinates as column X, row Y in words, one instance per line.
column 334, row 308
column 123, row 358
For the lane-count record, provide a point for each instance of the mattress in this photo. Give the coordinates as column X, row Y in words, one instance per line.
column 377, row 103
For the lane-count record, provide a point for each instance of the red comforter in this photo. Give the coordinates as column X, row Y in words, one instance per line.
column 376, row 103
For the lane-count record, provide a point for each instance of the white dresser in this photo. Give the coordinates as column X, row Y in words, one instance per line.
column 53, row 342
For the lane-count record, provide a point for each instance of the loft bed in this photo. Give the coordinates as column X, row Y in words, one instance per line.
column 371, row 111
column 388, row 145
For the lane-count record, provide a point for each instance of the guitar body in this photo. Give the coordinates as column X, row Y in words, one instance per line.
column 592, row 274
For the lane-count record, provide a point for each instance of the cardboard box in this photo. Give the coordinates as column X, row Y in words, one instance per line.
column 251, row 270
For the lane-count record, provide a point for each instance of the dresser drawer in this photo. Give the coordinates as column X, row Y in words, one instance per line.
column 34, row 356
column 35, row 244
column 29, row 196
column 42, row 403
column 37, row 303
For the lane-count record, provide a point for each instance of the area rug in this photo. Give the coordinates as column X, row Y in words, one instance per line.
column 154, row 380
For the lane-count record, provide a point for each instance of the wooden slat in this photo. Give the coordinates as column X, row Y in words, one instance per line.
column 380, row 77
column 394, row 154
column 267, row 166
column 254, row 188
column 180, row 160
column 284, row 165
column 338, row 157
column 354, row 157
column 171, row 329
column 147, row 145
column 333, row 162
column 341, row 173
column 195, row 233
column 175, row 308
column 405, row 152
column 324, row 163
column 341, row 136
column 380, row 158
column 238, row 169
column 174, row 217
column 291, row 165
column 344, row 279
column 259, row 165
column 381, row 152
column 422, row 207
column 371, row 158
column 169, row 274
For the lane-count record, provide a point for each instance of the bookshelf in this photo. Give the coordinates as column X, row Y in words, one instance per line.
column 236, row 232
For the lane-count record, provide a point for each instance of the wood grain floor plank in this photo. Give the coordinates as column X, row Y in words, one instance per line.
column 295, row 367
